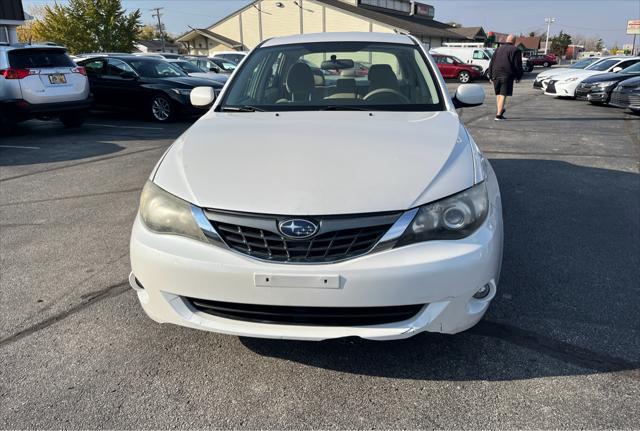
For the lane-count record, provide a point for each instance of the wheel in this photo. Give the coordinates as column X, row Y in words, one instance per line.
column 161, row 108
column 464, row 77
column 73, row 119
column 545, row 64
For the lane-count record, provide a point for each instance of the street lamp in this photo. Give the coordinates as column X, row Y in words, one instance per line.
column 549, row 21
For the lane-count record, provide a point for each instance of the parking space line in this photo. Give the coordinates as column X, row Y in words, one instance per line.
column 124, row 127
column 22, row 148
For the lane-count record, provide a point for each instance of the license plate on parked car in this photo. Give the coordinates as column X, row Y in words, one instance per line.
column 58, row 78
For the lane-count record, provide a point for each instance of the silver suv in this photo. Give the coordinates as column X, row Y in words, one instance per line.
column 41, row 82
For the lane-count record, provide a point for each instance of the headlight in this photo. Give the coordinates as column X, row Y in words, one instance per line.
column 606, row 84
column 573, row 78
column 182, row 91
column 162, row 212
column 455, row 217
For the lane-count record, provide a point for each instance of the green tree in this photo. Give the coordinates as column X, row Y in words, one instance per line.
column 88, row 26
column 560, row 43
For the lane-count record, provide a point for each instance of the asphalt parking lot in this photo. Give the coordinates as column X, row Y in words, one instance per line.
column 559, row 347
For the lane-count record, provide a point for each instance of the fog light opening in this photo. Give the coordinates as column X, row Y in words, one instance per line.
column 483, row 292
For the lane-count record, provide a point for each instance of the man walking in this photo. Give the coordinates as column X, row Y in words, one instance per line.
column 505, row 68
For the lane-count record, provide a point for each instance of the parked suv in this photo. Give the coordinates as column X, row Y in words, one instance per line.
column 41, row 82
column 301, row 209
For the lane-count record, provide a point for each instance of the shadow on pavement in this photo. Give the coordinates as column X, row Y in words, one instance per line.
column 103, row 133
column 571, row 263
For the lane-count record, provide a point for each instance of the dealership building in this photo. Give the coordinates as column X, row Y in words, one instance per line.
column 263, row 19
column 11, row 16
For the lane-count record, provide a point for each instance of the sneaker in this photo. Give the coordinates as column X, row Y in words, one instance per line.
column 499, row 118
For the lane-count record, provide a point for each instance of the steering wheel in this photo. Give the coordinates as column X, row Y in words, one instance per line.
column 386, row 93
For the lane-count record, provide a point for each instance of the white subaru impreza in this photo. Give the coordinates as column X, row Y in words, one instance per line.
column 330, row 191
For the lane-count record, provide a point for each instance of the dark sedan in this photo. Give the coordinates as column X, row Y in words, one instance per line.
column 145, row 84
column 597, row 89
column 627, row 95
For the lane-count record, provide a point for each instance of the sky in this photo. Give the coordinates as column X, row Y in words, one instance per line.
column 603, row 18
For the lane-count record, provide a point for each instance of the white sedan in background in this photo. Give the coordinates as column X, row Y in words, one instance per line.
column 565, row 85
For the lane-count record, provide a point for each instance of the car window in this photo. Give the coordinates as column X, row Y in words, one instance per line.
column 314, row 76
column 583, row 63
column 604, row 65
column 117, row 67
column 94, row 67
column 632, row 70
column 626, row 64
column 156, row 69
column 479, row 55
column 224, row 65
column 39, row 58
column 188, row 67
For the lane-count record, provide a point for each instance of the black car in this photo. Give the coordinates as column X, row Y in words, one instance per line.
column 627, row 95
column 146, row 84
column 597, row 89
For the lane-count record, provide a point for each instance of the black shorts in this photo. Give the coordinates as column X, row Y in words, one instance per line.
column 503, row 86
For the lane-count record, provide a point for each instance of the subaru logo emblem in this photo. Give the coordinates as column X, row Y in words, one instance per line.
column 298, row 228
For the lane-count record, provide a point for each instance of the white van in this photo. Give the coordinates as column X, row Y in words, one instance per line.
column 474, row 55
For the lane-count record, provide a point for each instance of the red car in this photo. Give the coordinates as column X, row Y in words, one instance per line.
column 544, row 60
column 453, row 67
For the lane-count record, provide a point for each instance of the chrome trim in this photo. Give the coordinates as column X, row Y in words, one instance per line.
column 395, row 232
column 206, row 227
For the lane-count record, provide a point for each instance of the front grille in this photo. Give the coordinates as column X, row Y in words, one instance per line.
column 258, row 236
column 319, row 316
column 624, row 98
column 537, row 84
column 551, row 87
column 582, row 91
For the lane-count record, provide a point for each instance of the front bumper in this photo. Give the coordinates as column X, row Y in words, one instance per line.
column 598, row 96
column 442, row 275
column 561, row 88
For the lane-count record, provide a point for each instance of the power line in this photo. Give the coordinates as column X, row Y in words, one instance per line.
column 158, row 15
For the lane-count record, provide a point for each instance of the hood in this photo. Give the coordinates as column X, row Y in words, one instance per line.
column 218, row 77
column 631, row 82
column 580, row 74
column 193, row 82
column 608, row 77
column 318, row 163
column 554, row 72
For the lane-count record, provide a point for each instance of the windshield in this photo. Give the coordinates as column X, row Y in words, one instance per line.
column 319, row 76
column 603, row 65
column 156, row 69
column 632, row 70
column 584, row 63
column 224, row 64
column 188, row 67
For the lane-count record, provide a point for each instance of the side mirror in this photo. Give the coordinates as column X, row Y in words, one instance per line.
column 214, row 69
column 616, row 69
column 202, row 96
column 468, row 95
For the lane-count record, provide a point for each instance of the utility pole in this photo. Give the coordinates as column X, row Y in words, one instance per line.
column 158, row 15
column 549, row 21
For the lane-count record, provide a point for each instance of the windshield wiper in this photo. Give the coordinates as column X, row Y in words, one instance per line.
column 244, row 108
column 343, row 108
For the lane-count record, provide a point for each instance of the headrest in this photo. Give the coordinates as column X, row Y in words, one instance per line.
column 300, row 79
column 382, row 76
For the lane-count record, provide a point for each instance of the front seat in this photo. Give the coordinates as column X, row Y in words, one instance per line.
column 300, row 82
column 382, row 76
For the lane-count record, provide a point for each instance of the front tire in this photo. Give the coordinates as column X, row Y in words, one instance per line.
column 73, row 119
column 545, row 64
column 464, row 77
column 161, row 108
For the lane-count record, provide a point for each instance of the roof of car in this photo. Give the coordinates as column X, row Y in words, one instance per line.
column 340, row 37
